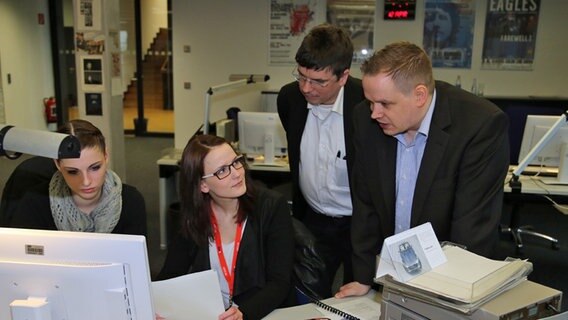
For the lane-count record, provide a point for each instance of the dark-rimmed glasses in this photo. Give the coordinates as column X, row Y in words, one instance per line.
column 303, row 79
column 225, row 171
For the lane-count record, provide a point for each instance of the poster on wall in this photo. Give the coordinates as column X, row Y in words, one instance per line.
column 357, row 18
column 448, row 32
column 89, row 15
column 289, row 22
column 90, row 42
column 510, row 35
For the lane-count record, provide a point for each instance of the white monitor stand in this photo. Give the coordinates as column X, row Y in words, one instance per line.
column 268, row 148
column 562, row 177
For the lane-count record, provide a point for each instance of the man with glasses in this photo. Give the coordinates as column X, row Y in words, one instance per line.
column 315, row 111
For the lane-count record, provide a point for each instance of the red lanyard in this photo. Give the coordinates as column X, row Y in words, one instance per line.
column 229, row 276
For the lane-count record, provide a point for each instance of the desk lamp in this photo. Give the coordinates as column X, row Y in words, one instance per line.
column 37, row 142
column 236, row 80
column 514, row 183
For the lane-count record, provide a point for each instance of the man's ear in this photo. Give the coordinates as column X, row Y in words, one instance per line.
column 421, row 94
column 344, row 77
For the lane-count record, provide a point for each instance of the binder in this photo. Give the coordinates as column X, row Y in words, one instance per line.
column 329, row 308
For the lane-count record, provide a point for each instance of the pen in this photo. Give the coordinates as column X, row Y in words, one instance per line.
column 338, row 154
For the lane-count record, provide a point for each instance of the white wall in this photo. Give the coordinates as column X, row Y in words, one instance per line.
column 154, row 15
column 234, row 39
column 25, row 48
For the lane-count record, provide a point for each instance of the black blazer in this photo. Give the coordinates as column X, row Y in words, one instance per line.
column 34, row 211
column 264, row 263
column 459, row 188
column 293, row 112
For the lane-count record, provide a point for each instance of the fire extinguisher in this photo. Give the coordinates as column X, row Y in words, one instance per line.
column 49, row 109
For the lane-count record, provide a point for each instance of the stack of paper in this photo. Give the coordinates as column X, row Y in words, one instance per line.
column 464, row 282
column 467, row 277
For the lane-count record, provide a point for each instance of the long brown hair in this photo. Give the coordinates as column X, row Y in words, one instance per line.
column 196, row 205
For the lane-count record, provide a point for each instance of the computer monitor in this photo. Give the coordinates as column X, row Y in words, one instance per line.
column 262, row 134
column 46, row 274
column 554, row 150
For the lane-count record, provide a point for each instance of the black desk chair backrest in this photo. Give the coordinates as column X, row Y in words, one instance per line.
column 29, row 173
column 310, row 274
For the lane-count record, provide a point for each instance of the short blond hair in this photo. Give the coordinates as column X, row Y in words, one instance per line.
column 405, row 62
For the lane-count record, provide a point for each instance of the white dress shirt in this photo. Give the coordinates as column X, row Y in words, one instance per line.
column 323, row 169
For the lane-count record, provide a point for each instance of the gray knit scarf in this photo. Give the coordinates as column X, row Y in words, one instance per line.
column 68, row 217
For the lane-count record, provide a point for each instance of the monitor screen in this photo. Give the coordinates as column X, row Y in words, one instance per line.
column 536, row 127
column 73, row 275
column 262, row 134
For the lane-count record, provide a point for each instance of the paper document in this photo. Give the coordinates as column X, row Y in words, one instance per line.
column 410, row 253
column 469, row 277
column 364, row 309
column 191, row 296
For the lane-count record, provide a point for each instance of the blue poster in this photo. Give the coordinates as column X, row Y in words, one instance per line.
column 448, row 32
column 510, row 35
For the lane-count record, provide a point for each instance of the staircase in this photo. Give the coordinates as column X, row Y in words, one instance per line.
column 156, row 77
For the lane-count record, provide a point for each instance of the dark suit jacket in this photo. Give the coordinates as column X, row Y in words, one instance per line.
column 264, row 263
column 293, row 112
column 459, row 188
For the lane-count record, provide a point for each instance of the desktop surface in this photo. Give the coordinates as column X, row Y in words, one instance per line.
column 537, row 185
column 279, row 164
column 537, row 171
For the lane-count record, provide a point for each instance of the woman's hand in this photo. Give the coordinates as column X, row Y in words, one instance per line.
column 352, row 289
column 233, row 313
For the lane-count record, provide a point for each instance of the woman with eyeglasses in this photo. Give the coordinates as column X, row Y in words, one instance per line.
column 242, row 231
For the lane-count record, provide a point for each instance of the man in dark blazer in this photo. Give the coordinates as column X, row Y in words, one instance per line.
column 316, row 112
column 425, row 151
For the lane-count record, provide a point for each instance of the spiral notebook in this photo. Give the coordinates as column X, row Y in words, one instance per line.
column 326, row 307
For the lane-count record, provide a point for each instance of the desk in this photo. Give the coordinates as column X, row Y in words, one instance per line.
column 168, row 167
column 537, row 185
column 530, row 185
column 309, row 310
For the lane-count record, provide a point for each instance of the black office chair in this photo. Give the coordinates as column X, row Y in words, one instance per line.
column 309, row 268
column 517, row 231
column 27, row 174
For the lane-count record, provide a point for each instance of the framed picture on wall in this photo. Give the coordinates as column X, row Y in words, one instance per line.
column 88, row 14
column 93, row 104
column 92, row 73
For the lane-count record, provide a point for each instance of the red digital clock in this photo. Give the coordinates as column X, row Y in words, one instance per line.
column 400, row 10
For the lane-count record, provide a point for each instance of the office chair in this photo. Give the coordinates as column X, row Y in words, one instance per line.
column 517, row 231
column 309, row 268
column 29, row 173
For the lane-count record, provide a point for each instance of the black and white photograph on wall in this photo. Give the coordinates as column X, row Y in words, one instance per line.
column 92, row 74
column 510, row 35
column 448, row 32
column 357, row 18
column 89, row 15
column 93, row 104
